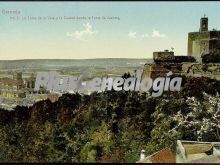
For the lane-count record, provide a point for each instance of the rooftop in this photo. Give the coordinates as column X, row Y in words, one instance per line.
column 198, row 152
column 9, row 81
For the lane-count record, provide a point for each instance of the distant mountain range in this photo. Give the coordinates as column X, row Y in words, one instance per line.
column 66, row 63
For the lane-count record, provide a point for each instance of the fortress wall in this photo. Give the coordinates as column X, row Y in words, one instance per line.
column 211, row 70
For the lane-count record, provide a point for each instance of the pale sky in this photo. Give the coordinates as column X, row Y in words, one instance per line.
column 142, row 27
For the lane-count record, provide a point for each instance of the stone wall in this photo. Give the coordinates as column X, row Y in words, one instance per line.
column 211, row 70
column 194, row 47
column 199, row 42
column 160, row 70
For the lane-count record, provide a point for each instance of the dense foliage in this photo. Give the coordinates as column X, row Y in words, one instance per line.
column 110, row 126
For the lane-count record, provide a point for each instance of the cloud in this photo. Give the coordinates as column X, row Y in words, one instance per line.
column 132, row 34
column 154, row 34
column 157, row 34
column 80, row 35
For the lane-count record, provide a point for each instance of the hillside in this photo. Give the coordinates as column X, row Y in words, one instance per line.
column 110, row 126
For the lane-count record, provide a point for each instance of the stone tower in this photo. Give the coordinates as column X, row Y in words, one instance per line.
column 204, row 41
column 203, row 24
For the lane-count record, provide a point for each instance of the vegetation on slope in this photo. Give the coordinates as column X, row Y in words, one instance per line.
column 110, row 126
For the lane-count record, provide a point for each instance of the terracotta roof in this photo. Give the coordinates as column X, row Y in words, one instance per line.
column 163, row 156
column 53, row 97
column 11, row 81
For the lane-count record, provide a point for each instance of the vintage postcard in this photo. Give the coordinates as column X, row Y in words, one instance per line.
column 109, row 82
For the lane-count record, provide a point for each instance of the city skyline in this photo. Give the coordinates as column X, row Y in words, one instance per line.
column 129, row 30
